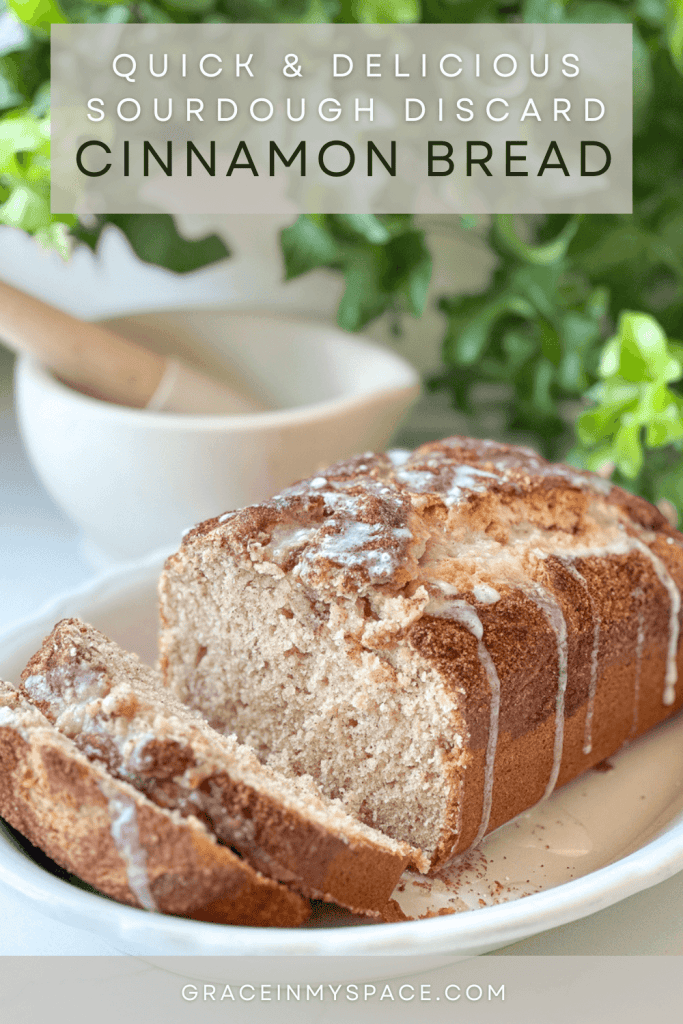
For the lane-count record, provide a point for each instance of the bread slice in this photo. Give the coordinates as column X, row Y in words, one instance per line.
column 116, row 711
column 438, row 638
column 111, row 836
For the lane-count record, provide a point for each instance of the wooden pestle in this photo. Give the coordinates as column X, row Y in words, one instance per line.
column 96, row 361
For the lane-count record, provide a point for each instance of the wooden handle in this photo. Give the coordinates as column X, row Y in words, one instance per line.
column 84, row 355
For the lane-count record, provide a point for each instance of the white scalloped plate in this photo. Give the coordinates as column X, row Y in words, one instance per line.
column 598, row 840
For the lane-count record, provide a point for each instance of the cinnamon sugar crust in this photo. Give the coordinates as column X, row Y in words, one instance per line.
column 438, row 638
column 116, row 711
column 114, row 838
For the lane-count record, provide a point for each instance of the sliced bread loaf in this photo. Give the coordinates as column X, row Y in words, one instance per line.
column 111, row 836
column 116, row 711
column 439, row 638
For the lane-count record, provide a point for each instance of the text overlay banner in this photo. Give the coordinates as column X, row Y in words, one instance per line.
column 341, row 119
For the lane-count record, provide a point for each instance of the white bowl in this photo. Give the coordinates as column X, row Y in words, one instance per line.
column 133, row 480
column 641, row 846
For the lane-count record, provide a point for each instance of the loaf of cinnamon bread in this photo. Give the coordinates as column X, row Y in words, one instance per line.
column 439, row 639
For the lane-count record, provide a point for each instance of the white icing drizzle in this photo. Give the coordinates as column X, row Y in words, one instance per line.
column 640, row 637
column 464, row 479
column 544, row 600
column 344, row 537
column 485, row 594
column 418, row 480
column 37, row 689
column 592, row 689
column 465, row 615
column 8, row 716
column 579, row 478
column 67, row 685
column 664, row 577
column 284, row 541
column 467, row 479
column 124, row 830
column 397, row 456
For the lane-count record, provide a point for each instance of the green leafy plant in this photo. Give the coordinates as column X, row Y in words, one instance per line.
column 534, row 331
column 637, row 410
column 538, row 332
column 562, row 285
column 384, row 260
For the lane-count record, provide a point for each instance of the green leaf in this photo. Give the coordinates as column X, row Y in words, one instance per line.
column 542, row 396
column 26, row 209
column 56, row 236
column 544, row 254
column 40, row 107
column 615, row 392
column 634, row 404
column 597, row 424
column 652, row 12
column 578, row 331
column 611, row 357
column 595, row 460
column 674, row 28
column 189, row 9
column 385, row 261
column 39, row 14
column 518, row 347
column 319, row 11
column 644, row 350
column 366, row 225
column 628, row 450
column 364, row 297
column 596, row 12
column 550, row 343
column 155, row 239
column 20, row 134
column 469, row 344
column 545, row 12
column 665, row 429
column 408, row 269
column 571, row 375
column 597, row 305
column 538, row 285
column 9, row 97
column 307, row 245
column 386, row 11
column 152, row 13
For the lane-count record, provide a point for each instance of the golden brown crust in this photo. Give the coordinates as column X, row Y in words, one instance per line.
column 322, row 861
column 628, row 698
column 72, row 809
column 379, row 494
column 314, row 860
